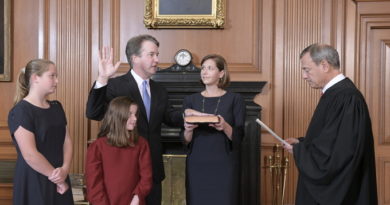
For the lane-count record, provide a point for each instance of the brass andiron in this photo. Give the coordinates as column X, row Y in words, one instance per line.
column 276, row 165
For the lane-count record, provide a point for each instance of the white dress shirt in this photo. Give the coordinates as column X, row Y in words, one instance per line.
column 335, row 80
column 138, row 80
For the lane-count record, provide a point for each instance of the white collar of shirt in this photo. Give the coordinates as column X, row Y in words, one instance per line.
column 139, row 81
column 332, row 82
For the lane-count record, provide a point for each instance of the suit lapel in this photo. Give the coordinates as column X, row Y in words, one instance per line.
column 154, row 100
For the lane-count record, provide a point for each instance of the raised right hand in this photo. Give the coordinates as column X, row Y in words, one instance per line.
column 106, row 67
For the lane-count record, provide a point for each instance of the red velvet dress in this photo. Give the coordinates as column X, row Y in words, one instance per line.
column 114, row 175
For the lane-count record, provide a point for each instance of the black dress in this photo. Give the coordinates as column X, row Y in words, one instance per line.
column 336, row 160
column 212, row 167
column 49, row 128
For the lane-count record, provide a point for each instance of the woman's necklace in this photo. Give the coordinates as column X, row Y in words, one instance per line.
column 216, row 107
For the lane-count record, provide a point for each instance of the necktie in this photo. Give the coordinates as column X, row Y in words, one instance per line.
column 146, row 97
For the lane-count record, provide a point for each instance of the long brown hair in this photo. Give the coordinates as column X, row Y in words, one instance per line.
column 36, row 66
column 114, row 123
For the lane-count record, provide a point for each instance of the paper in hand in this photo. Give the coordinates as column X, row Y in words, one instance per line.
column 272, row 133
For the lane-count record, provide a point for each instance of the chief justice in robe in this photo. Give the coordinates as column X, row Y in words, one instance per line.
column 335, row 159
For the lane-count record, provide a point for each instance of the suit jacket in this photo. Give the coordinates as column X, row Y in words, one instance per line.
column 160, row 112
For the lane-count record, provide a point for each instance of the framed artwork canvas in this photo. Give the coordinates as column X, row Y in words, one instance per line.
column 184, row 13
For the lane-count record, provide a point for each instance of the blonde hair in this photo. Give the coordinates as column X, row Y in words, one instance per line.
column 37, row 67
column 115, row 121
column 221, row 64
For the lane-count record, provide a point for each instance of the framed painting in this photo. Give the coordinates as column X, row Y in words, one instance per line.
column 5, row 36
column 184, row 13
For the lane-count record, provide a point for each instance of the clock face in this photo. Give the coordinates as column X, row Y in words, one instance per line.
column 183, row 57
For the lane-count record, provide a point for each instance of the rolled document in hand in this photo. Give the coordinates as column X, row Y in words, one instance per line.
column 272, row 132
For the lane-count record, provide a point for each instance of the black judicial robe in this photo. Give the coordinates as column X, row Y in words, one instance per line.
column 336, row 159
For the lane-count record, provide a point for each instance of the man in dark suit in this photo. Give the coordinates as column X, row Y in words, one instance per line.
column 152, row 99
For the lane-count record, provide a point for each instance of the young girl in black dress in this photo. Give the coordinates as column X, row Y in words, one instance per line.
column 43, row 145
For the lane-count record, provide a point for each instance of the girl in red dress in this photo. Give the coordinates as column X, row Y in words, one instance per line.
column 118, row 167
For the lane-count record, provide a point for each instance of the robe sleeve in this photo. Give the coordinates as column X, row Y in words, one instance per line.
column 96, row 190
column 145, row 166
column 238, row 126
column 330, row 155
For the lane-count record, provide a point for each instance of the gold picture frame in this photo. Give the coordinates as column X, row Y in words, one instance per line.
column 5, row 51
column 159, row 14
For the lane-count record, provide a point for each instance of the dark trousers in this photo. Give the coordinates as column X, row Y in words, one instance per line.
column 154, row 197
